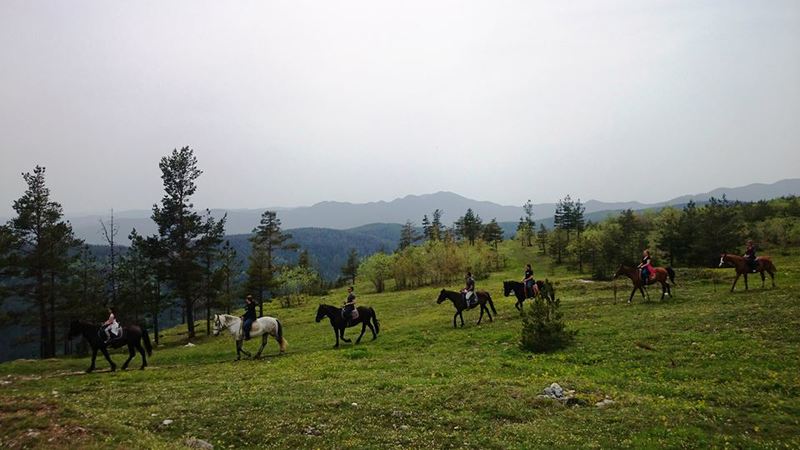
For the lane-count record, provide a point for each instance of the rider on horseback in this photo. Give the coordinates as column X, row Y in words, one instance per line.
column 530, row 283
column 349, row 305
column 249, row 315
column 646, row 266
column 469, row 290
column 750, row 255
column 111, row 326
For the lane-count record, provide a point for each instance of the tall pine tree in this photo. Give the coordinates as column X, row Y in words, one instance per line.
column 182, row 231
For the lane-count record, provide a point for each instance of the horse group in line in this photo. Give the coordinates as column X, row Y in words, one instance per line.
column 137, row 339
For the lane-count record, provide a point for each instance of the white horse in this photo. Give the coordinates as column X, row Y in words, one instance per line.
column 263, row 326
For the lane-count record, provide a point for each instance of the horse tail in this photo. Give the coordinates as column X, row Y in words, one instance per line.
column 146, row 339
column 375, row 322
column 671, row 274
column 491, row 303
column 279, row 336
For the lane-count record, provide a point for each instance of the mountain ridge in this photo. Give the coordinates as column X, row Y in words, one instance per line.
column 339, row 215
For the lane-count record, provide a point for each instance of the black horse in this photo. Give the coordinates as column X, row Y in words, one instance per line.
column 520, row 292
column 366, row 317
column 132, row 336
column 458, row 302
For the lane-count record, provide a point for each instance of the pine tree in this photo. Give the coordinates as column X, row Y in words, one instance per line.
column 493, row 234
column 350, row 269
column 469, row 226
column 209, row 256
column 266, row 241
column 408, row 235
column 541, row 239
column 180, row 228
column 43, row 250
column 304, row 259
column 229, row 268
column 426, row 228
column 437, row 229
column 529, row 223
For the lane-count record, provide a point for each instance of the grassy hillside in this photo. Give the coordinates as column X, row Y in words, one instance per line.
column 707, row 368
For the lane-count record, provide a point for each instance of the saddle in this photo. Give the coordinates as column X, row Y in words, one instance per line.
column 353, row 315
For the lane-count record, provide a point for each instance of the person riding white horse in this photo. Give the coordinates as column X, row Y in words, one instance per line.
column 263, row 326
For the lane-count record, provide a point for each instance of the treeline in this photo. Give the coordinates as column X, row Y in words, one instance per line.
column 438, row 255
column 187, row 264
column 694, row 235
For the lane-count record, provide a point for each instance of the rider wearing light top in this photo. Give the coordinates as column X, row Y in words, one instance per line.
column 111, row 326
column 469, row 290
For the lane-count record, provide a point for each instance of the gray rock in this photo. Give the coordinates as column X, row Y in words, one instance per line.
column 199, row 443
column 554, row 391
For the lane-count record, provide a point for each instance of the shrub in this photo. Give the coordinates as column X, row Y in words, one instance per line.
column 543, row 327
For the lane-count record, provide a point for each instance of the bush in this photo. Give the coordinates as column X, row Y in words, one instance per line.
column 543, row 327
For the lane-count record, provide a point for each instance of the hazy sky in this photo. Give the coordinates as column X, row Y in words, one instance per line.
column 293, row 102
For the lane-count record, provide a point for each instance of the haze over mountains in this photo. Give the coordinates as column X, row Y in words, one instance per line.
column 344, row 215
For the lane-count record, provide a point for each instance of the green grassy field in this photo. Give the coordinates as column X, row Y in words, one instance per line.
column 706, row 368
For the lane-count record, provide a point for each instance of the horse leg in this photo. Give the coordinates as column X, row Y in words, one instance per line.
column 264, row 338
column 454, row 319
column 343, row 329
column 94, row 357
column 238, row 350
column 481, row 316
column 141, row 352
column 772, row 276
column 735, row 280
column 517, row 305
column 336, row 333
column 633, row 292
column 489, row 313
column 371, row 328
column 363, row 330
column 461, row 315
column 763, row 279
column 131, row 354
column 663, row 290
column 108, row 358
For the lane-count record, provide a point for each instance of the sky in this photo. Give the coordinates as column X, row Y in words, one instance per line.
column 288, row 103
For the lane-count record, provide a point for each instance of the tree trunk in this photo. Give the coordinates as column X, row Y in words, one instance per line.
column 189, row 316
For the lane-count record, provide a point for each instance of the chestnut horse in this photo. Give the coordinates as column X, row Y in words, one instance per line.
column 661, row 275
column 763, row 264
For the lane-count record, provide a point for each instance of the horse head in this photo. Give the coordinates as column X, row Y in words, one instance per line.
column 75, row 329
column 442, row 297
column 217, row 324
column 507, row 288
column 722, row 257
column 620, row 271
column 320, row 313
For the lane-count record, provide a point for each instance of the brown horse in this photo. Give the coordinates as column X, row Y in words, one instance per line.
column 763, row 264
column 635, row 274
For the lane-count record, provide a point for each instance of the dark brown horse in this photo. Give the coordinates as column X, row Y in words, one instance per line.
column 482, row 298
column 132, row 336
column 522, row 293
column 661, row 274
column 763, row 264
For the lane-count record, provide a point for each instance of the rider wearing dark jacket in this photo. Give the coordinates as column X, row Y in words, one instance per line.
column 249, row 315
column 530, row 283
column 349, row 305
column 750, row 255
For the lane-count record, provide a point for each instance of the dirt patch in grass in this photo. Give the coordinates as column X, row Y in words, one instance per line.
column 27, row 423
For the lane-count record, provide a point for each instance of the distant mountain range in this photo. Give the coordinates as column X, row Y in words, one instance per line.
column 345, row 216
